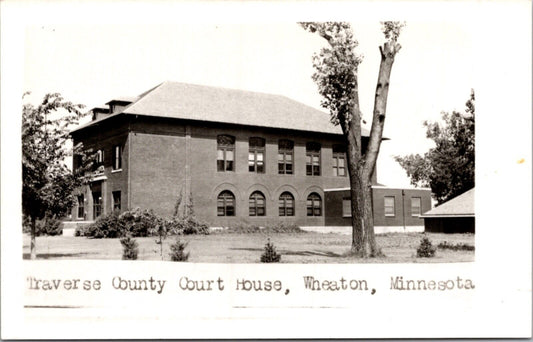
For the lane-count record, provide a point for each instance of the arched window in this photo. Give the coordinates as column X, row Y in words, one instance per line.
column 226, row 204
column 314, row 205
column 257, row 204
column 286, row 204
column 225, row 153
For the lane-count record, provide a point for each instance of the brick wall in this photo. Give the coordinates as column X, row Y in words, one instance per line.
column 334, row 212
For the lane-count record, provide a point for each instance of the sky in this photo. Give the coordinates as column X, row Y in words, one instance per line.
column 92, row 64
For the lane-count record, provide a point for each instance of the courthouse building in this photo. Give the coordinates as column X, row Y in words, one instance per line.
column 243, row 157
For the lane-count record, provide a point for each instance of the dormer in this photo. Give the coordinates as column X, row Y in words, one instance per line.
column 118, row 105
column 99, row 112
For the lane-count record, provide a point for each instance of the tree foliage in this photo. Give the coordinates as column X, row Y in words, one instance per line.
column 448, row 168
column 336, row 70
column 47, row 183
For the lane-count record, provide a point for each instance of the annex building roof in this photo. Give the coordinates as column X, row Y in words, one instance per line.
column 215, row 104
column 459, row 206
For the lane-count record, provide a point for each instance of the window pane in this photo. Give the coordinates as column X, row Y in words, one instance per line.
column 288, row 169
column 251, row 166
column 341, row 162
column 288, row 157
column 280, row 157
column 260, row 167
column 415, row 206
column 316, row 170
column 230, row 211
column 346, row 207
column 220, row 154
column 316, row 160
column 342, row 172
column 309, row 170
column 229, row 154
column 389, row 206
column 259, row 156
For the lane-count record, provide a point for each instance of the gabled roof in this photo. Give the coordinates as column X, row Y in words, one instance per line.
column 460, row 206
column 214, row 104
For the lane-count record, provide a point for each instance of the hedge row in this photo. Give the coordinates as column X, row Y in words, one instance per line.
column 140, row 223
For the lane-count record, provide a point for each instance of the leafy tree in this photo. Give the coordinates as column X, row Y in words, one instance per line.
column 336, row 70
column 47, row 183
column 449, row 167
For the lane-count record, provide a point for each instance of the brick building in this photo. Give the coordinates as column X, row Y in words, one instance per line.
column 242, row 156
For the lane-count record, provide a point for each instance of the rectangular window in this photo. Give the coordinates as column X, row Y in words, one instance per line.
column 97, row 204
column 415, row 206
column 225, row 153
column 346, row 207
column 312, row 159
column 117, row 157
column 285, row 157
column 116, row 200
column 339, row 161
column 99, row 157
column 81, row 206
column 389, row 206
column 256, row 155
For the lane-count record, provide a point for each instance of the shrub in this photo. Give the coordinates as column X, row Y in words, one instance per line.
column 130, row 248
column 139, row 223
column 456, row 247
column 142, row 223
column 270, row 254
column 107, row 226
column 426, row 249
column 49, row 226
column 177, row 251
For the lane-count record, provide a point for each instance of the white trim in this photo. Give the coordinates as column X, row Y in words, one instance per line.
column 99, row 178
column 117, row 170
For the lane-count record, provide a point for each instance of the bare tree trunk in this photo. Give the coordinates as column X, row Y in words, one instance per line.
column 368, row 219
column 352, row 133
column 33, row 254
column 388, row 51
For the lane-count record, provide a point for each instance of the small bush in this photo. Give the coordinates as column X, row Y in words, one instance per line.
column 456, row 247
column 139, row 223
column 177, row 251
column 270, row 254
column 130, row 248
column 426, row 249
column 107, row 226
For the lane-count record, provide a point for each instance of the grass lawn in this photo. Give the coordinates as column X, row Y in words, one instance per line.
column 299, row 248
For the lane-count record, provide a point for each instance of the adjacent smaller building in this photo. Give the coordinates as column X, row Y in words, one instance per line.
column 454, row 216
column 395, row 209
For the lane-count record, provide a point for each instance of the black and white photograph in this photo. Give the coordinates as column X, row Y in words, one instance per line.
column 284, row 170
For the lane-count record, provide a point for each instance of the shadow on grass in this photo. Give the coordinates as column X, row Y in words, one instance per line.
column 301, row 253
column 26, row 256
